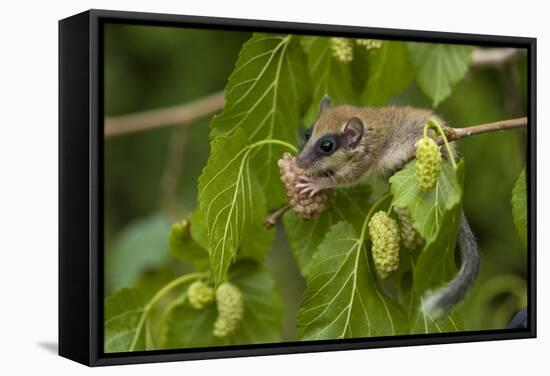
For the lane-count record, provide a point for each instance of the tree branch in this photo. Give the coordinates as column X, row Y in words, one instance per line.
column 489, row 57
column 272, row 219
column 182, row 115
column 454, row 134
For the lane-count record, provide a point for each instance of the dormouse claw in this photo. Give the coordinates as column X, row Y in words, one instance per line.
column 309, row 186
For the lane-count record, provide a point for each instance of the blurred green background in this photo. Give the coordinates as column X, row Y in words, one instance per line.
column 150, row 67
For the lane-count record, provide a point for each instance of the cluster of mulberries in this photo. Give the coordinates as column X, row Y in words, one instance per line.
column 229, row 300
column 384, row 234
column 342, row 49
column 200, row 294
column 409, row 236
column 304, row 206
column 369, row 44
column 428, row 163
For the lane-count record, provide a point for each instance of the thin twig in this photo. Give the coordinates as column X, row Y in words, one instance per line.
column 454, row 134
column 271, row 219
column 182, row 115
column 488, row 57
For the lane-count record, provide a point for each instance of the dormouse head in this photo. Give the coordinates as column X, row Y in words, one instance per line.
column 333, row 144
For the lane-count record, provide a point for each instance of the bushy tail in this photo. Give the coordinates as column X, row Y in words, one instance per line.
column 437, row 304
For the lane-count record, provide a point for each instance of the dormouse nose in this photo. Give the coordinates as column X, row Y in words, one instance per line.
column 303, row 159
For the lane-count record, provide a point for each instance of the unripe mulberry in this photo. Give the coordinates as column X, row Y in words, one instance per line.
column 428, row 163
column 342, row 49
column 384, row 234
column 304, row 206
column 200, row 294
column 409, row 236
column 369, row 44
column 229, row 300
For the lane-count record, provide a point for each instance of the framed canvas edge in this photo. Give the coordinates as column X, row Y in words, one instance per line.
column 165, row 19
column 95, row 255
column 74, row 275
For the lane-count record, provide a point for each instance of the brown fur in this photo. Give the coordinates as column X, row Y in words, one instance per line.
column 389, row 137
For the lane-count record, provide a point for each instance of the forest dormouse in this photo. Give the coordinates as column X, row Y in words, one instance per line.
column 348, row 143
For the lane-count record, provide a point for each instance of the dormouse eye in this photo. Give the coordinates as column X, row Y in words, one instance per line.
column 308, row 133
column 326, row 146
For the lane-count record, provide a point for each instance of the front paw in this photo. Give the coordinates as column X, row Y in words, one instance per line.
column 309, row 187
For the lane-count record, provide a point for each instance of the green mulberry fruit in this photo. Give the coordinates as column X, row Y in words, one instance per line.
column 200, row 294
column 369, row 44
column 409, row 236
column 384, row 234
column 230, row 309
column 342, row 49
column 428, row 163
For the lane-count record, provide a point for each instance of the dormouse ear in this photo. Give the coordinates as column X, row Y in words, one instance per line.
column 325, row 103
column 353, row 132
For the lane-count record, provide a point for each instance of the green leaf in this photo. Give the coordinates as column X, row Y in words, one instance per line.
column 343, row 298
column 519, row 206
column 439, row 67
column 306, row 235
column 262, row 321
column 434, row 268
column 427, row 208
column 436, row 216
column 184, row 248
column 389, row 72
column 124, row 312
column 199, row 231
column 265, row 96
column 424, row 324
column 253, row 247
column 140, row 246
column 152, row 280
column 436, row 263
column 232, row 204
column 330, row 76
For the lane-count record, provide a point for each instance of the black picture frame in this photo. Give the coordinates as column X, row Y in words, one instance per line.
column 81, row 186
